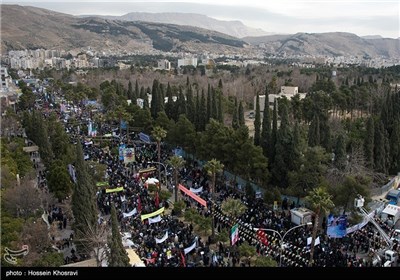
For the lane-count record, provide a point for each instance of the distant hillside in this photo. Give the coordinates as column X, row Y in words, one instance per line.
column 41, row 28
column 233, row 28
column 331, row 44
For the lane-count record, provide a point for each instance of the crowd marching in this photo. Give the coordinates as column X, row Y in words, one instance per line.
column 166, row 241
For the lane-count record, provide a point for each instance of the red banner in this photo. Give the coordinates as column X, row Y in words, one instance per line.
column 192, row 195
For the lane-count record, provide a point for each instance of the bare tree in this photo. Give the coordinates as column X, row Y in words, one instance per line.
column 22, row 201
column 94, row 241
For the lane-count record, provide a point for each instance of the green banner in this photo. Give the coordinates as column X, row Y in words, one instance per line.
column 146, row 216
column 115, row 190
column 101, row 184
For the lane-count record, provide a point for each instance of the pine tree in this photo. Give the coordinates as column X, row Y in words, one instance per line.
column 381, row 149
column 83, row 200
column 369, row 143
column 257, row 122
column 235, row 120
column 241, row 114
column 266, row 127
column 117, row 255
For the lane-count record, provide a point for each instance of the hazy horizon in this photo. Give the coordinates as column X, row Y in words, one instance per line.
column 362, row 17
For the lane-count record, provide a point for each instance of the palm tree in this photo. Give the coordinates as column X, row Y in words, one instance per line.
column 233, row 207
column 320, row 201
column 159, row 133
column 177, row 163
column 213, row 167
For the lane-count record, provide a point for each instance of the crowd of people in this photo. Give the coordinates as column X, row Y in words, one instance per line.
column 171, row 242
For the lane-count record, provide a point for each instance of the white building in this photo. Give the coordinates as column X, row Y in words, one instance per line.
column 164, row 64
column 288, row 92
column 192, row 61
column 4, row 78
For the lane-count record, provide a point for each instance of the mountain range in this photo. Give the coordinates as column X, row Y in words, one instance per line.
column 329, row 44
column 233, row 28
column 25, row 27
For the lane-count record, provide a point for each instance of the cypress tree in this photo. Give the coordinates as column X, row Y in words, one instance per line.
column 130, row 91
column 154, row 99
column 197, row 112
column 83, row 200
column 395, row 148
column 241, row 114
column 313, row 132
column 220, row 111
column 235, row 120
column 136, row 92
column 202, row 112
column 257, row 122
column 117, row 255
column 169, row 107
column 266, row 127
column 381, row 149
column 369, row 143
column 214, row 105
column 209, row 108
column 274, row 133
column 340, row 152
column 191, row 109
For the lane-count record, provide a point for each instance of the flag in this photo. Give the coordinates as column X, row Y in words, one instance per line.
column 157, row 200
column 234, row 234
column 139, row 206
column 162, row 239
column 262, row 237
column 183, row 260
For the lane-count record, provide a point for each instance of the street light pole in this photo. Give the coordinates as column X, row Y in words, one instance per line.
column 282, row 238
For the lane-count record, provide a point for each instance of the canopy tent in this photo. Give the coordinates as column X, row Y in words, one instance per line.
column 391, row 210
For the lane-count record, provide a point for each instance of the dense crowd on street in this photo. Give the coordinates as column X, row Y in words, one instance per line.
column 148, row 237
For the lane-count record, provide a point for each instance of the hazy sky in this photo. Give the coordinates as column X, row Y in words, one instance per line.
column 362, row 17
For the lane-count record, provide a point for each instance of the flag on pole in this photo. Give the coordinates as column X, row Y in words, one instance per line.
column 234, row 234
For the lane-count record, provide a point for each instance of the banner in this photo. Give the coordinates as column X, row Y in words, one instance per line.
column 101, row 184
column 336, row 226
column 192, row 195
column 190, row 248
column 121, row 151
column 155, row 220
column 155, row 213
column 144, row 137
column 317, row 241
column 234, row 234
column 133, row 212
column 129, row 155
column 196, row 190
column 123, row 124
column 262, row 237
column 162, row 238
column 115, row 190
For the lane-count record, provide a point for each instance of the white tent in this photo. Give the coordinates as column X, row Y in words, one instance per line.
column 391, row 210
column 152, row 181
